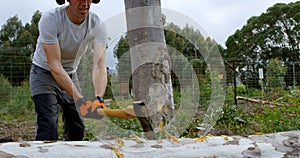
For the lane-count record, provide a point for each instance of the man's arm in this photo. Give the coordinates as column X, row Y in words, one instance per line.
column 53, row 55
column 99, row 70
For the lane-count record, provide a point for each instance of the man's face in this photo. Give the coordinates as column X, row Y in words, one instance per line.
column 80, row 8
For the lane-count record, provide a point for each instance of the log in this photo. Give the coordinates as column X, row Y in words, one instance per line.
column 251, row 100
column 275, row 145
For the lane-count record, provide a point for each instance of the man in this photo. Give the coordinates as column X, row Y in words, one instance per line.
column 64, row 35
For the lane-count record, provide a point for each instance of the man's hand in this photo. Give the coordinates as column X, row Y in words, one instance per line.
column 88, row 109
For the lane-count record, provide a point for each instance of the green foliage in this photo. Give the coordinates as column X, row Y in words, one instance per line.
column 276, row 72
column 11, row 31
column 188, row 41
column 121, row 47
column 241, row 89
column 273, row 34
column 199, row 66
column 15, row 64
column 108, row 92
column 277, row 119
column 33, row 26
column 177, row 98
column 17, row 44
column 259, row 119
column 253, row 92
column 14, row 34
column 244, row 119
column 5, row 91
column 20, row 105
column 235, row 119
column 205, row 90
column 249, row 119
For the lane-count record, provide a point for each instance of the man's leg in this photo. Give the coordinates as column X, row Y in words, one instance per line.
column 73, row 124
column 46, row 116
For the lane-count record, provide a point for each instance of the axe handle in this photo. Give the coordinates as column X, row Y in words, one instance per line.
column 126, row 113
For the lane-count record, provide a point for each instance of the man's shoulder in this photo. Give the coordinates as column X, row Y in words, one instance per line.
column 54, row 15
column 94, row 17
column 58, row 11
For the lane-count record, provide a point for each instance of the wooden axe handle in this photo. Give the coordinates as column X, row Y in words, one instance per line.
column 126, row 113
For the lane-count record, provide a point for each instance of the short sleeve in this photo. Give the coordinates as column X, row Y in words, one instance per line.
column 48, row 29
column 100, row 34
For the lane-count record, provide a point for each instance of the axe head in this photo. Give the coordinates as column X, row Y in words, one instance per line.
column 142, row 114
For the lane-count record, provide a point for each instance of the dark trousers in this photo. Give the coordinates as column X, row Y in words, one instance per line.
column 49, row 103
column 47, row 113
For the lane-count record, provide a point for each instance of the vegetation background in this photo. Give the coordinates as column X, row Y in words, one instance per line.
column 270, row 41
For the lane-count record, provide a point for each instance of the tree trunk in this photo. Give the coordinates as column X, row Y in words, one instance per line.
column 150, row 61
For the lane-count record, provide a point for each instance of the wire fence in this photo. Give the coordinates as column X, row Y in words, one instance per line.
column 241, row 75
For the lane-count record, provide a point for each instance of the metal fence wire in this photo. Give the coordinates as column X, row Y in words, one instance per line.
column 15, row 65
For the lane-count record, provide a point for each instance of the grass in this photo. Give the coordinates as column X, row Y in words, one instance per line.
column 248, row 118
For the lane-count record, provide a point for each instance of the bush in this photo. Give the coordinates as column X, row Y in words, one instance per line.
column 5, row 91
column 276, row 72
column 241, row 89
column 277, row 119
column 235, row 119
column 20, row 104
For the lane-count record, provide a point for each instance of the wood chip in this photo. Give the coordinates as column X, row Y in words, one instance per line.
column 24, row 144
column 106, row 146
column 156, row 146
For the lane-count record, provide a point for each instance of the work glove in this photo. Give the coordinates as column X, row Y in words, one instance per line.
column 88, row 108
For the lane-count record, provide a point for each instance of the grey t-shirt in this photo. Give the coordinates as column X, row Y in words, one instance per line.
column 56, row 27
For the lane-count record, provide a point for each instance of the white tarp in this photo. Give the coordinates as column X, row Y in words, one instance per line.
column 275, row 145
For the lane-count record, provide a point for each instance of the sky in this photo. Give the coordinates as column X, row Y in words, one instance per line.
column 218, row 18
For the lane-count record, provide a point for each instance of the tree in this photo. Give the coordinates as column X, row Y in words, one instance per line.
column 121, row 47
column 33, row 27
column 11, row 31
column 17, row 45
column 273, row 34
column 150, row 61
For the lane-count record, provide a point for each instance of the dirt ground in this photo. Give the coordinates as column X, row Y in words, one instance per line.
column 25, row 130
column 16, row 130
